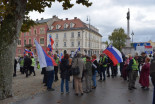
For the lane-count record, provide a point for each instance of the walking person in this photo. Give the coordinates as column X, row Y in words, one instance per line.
column 32, row 66
column 133, row 72
column 56, row 67
column 144, row 74
column 78, row 62
column 152, row 75
column 88, row 75
column 15, row 66
column 64, row 68
column 50, row 77
column 94, row 71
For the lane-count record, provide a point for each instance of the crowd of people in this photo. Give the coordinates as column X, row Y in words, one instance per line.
column 85, row 67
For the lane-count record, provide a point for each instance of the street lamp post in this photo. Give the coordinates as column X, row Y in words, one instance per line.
column 88, row 19
column 132, row 35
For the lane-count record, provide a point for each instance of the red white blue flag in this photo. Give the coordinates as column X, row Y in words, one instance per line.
column 114, row 54
column 50, row 45
column 44, row 59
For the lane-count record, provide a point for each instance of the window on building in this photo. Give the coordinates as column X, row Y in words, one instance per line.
column 72, row 44
column 65, row 26
column 56, row 36
column 65, row 44
column 42, row 31
column 19, row 42
column 35, row 31
column 72, row 35
column 71, row 25
column 56, row 44
column 86, row 44
column 24, row 33
column 64, row 35
column 41, row 40
column 29, row 41
column 57, row 26
column 86, row 34
column 24, row 42
column 19, row 50
column 78, row 43
column 78, row 34
column 29, row 32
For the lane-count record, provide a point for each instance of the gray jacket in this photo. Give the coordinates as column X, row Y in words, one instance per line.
column 80, row 63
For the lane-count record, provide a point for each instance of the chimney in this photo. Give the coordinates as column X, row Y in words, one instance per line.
column 66, row 18
column 75, row 17
column 42, row 18
column 54, row 16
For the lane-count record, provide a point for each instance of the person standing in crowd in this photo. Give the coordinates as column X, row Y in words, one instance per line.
column 45, row 75
column 27, row 64
column 84, row 59
column 125, row 70
column 15, row 66
column 152, row 75
column 144, row 75
column 122, row 63
column 32, row 66
column 56, row 67
column 21, row 63
column 78, row 61
column 64, row 68
column 114, row 71
column 133, row 72
column 109, row 66
column 50, row 77
column 94, row 71
column 88, row 75
column 103, row 66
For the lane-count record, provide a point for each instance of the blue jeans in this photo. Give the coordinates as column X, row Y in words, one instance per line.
column 50, row 78
column 66, row 85
column 102, row 71
column 94, row 79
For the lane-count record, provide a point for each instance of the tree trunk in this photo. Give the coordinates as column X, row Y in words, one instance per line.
column 9, row 34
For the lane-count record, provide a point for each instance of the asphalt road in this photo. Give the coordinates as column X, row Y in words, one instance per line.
column 112, row 91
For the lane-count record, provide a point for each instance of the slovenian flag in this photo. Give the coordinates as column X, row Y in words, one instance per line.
column 114, row 54
column 44, row 59
column 28, row 51
column 50, row 46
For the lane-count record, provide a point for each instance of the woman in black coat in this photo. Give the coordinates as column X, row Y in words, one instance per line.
column 64, row 68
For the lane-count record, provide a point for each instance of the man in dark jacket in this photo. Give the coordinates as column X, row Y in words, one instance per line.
column 27, row 64
column 15, row 65
column 152, row 74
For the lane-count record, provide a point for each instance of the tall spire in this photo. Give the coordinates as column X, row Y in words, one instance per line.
column 128, row 22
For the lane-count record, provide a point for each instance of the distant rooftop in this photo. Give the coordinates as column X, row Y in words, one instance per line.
column 42, row 20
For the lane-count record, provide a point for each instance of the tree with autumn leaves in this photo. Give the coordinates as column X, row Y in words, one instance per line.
column 13, row 19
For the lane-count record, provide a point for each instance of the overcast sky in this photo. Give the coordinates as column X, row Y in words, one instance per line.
column 106, row 15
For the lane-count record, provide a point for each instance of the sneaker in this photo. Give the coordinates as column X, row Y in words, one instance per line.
column 76, row 94
column 62, row 92
column 81, row 94
column 100, row 80
column 67, row 92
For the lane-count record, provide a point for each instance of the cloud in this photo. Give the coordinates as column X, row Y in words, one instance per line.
column 110, row 14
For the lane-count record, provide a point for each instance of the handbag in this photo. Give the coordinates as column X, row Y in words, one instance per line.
column 76, row 70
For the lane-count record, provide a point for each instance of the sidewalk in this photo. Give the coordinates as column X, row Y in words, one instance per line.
column 111, row 91
column 24, row 88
